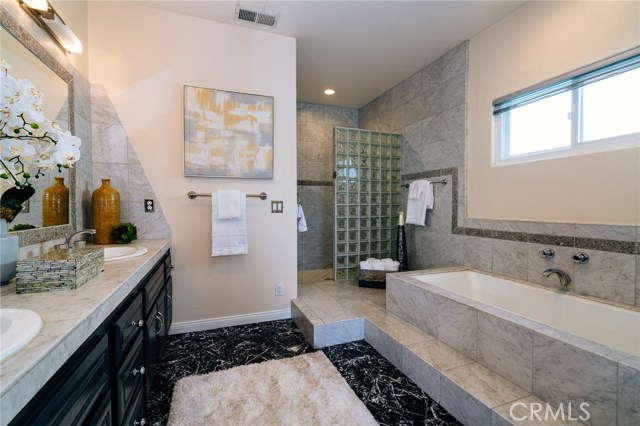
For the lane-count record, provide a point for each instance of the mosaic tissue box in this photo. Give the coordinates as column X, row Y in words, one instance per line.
column 59, row 270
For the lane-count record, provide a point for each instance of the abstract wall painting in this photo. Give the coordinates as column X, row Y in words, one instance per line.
column 227, row 134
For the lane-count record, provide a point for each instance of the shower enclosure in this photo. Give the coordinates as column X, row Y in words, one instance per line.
column 367, row 184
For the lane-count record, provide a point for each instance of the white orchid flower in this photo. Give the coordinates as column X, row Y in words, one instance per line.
column 66, row 155
column 16, row 148
column 27, row 138
column 67, row 139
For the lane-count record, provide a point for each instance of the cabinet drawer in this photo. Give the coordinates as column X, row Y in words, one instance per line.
column 135, row 414
column 152, row 287
column 130, row 377
column 126, row 327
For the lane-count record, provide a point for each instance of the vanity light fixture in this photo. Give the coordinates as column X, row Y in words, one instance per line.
column 46, row 16
column 42, row 5
column 329, row 92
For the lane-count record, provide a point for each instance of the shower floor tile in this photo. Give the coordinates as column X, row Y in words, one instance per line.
column 391, row 397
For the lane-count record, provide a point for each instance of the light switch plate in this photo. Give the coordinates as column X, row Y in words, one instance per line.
column 277, row 206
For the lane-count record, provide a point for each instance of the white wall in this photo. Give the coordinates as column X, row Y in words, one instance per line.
column 74, row 14
column 143, row 57
column 539, row 41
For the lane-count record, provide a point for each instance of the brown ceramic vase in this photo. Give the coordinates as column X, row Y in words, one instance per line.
column 55, row 204
column 105, row 203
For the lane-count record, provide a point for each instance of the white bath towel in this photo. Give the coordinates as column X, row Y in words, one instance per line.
column 230, row 204
column 302, row 222
column 391, row 266
column 365, row 266
column 228, row 236
column 377, row 265
column 420, row 199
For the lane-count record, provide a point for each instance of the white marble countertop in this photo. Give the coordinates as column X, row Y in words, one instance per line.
column 69, row 318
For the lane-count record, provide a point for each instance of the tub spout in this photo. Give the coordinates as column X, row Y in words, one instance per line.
column 565, row 279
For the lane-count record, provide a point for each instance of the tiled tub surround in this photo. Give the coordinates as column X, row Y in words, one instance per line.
column 474, row 394
column 69, row 318
column 556, row 366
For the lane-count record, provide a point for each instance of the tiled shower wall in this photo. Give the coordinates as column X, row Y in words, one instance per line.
column 429, row 109
column 315, row 180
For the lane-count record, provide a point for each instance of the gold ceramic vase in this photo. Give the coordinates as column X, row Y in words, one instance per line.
column 105, row 203
column 55, row 204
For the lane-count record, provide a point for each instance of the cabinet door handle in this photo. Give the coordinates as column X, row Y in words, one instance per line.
column 160, row 317
column 138, row 323
column 141, row 422
column 136, row 371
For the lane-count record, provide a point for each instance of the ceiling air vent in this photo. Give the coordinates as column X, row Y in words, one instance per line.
column 256, row 17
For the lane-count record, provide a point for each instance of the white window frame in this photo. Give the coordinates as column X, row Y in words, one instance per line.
column 574, row 82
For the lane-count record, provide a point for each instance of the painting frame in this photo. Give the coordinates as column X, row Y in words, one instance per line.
column 228, row 134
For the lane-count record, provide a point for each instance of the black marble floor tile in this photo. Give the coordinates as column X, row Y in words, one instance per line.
column 214, row 350
column 390, row 396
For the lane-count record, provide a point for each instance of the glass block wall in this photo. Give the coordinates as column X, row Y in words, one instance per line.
column 367, row 188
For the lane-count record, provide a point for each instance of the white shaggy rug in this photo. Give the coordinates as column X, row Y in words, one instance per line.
column 303, row 390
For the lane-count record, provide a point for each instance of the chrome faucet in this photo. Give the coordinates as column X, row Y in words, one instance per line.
column 67, row 241
column 565, row 279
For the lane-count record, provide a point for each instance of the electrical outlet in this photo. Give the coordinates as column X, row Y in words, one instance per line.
column 279, row 289
column 148, row 206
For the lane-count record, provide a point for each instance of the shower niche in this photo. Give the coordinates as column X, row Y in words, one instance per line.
column 367, row 199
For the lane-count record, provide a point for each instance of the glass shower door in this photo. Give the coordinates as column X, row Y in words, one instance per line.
column 367, row 185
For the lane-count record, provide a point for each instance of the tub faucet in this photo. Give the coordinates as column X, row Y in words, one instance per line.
column 565, row 279
column 67, row 241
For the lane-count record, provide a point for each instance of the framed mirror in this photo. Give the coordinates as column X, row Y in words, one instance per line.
column 29, row 59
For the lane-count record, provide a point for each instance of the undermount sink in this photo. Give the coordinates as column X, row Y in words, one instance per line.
column 123, row 252
column 17, row 328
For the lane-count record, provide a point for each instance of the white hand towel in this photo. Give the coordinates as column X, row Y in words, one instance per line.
column 429, row 194
column 302, row 222
column 228, row 236
column 230, row 204
column 417, row 207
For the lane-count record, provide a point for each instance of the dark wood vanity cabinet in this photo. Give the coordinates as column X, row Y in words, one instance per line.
column 76, row 393
column 108, row 380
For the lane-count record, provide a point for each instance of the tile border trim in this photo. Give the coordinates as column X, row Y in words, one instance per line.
column 315, row 183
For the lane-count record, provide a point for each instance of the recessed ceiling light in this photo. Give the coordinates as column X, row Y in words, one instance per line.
column 329, row 92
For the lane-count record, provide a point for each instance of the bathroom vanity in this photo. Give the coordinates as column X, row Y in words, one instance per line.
column 94, row 360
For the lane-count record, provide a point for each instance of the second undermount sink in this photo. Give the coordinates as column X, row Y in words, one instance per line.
column 17, row 328
column 123, row 252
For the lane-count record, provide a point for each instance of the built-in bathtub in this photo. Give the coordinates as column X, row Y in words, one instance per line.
column 560, row 347
column 610, row 325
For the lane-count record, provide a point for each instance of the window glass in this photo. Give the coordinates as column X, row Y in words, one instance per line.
column 594, row 110
column 611, row 107
column 540, row 126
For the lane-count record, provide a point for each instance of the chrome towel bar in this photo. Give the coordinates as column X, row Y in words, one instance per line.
column 443, row 181
column 192, row 195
